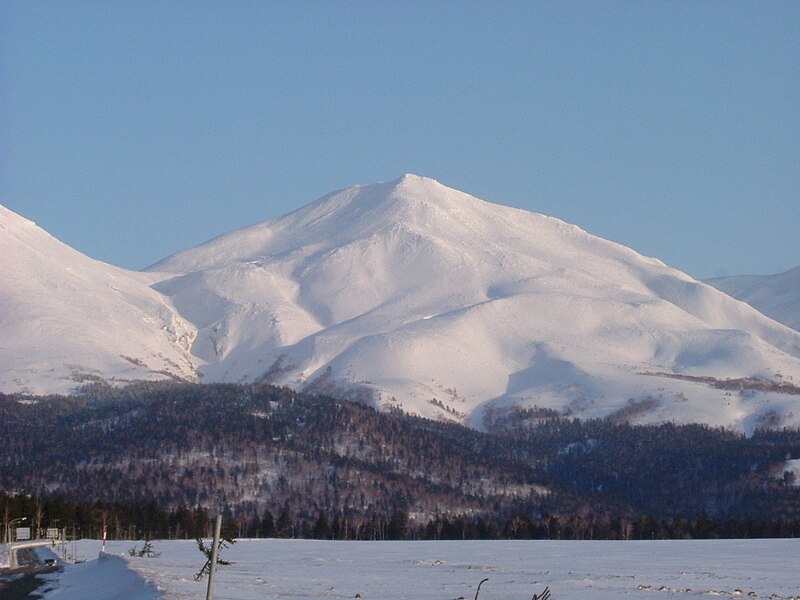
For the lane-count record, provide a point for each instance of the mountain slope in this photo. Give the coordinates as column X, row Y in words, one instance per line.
column 418, row 296
column 777, row 296
column 67, row 319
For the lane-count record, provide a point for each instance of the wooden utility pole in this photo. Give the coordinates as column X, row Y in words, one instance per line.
column 214, row 550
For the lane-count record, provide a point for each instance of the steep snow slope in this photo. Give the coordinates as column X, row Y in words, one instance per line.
column 777, row 296
column 419, row 296
column 65, row 318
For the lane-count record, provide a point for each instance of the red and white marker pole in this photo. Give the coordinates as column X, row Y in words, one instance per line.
column 105, row 533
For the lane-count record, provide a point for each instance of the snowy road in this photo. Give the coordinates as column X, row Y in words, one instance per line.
column 302, row 569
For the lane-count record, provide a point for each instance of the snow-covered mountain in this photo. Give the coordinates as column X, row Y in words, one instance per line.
column 415, row 295
column 66, row 319
column 777, row 296
column 407, row 294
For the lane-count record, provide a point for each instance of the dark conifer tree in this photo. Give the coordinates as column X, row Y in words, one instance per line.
column 267, row 525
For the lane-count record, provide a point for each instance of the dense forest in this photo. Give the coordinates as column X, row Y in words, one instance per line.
column 155, row 459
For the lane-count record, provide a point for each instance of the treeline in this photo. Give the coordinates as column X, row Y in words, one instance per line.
column 248, row 447
column 80, row 520
column 671, row 470
column 319, row 467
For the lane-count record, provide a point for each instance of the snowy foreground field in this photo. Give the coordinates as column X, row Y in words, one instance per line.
column 516, row 570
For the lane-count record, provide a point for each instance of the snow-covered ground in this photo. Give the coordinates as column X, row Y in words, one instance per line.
column 447, row 570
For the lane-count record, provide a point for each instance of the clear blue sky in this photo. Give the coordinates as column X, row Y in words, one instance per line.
column 132, row 130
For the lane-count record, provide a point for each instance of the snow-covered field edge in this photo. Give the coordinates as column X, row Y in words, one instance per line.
column 310, row 569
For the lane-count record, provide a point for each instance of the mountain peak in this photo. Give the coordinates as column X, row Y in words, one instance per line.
column 413, row 180
column 413, row 177
column 337, row 219
column 420, row 198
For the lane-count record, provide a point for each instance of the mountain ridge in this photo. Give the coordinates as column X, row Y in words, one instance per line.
column 777, row 296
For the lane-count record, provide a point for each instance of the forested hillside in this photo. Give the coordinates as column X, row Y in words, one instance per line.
column 306, row 464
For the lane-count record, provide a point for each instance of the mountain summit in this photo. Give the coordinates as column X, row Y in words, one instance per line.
column 414, row 295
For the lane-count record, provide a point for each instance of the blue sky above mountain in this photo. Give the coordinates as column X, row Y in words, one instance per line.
column 132, row 131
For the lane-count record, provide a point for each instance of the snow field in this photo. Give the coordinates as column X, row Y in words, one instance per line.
column 309, row 569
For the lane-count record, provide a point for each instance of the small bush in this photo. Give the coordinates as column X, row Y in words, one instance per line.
column 146, row 551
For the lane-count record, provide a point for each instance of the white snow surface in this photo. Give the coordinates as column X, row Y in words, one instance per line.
column 106, row 577
column 66, row 318
column 777, row 296
column 410, row 291
column 406, row 294
column 308, row 570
